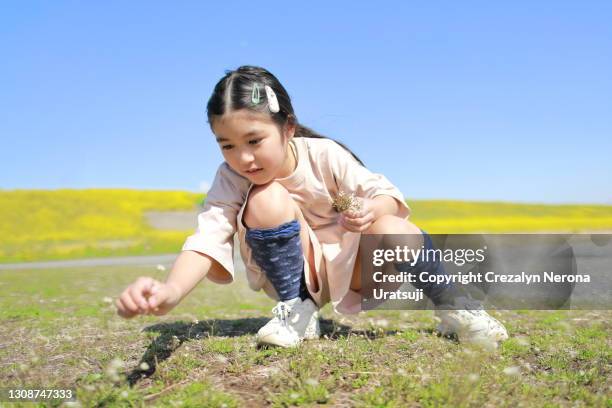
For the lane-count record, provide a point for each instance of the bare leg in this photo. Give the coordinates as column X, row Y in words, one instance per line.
column 270, row 205
column 389, row 224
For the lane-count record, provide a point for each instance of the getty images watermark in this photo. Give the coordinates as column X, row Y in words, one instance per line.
column 504, row 271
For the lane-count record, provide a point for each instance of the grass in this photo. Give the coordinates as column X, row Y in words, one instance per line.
column 67, row 224
column 65, row 333
column 59, row 327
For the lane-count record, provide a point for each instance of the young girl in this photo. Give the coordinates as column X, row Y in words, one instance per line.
column 275, row 190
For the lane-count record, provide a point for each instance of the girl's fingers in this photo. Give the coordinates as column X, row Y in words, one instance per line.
column 157, row 299
column 124, row 311
column 368, row 217
column 136, row 293
column 128, row 304
column 121, row 310
column 354, row 228
column 157, row 295
column 365, row 227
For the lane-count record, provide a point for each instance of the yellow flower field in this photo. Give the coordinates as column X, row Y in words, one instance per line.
column 62, row 224
column 445, row 216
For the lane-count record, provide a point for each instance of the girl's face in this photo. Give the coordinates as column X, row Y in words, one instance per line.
column 254, row 146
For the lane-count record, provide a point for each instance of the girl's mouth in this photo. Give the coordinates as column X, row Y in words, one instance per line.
column 253, row 171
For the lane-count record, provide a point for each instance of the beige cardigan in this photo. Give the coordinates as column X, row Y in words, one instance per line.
column 324, row 168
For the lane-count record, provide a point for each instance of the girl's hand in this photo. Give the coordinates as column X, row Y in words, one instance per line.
column 359, row 221
column 147, row 296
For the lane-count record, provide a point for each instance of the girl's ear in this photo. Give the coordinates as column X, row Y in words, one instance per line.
column 289, row 130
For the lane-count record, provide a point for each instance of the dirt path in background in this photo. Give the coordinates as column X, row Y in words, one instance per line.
column 151, row 260
column 173, row 220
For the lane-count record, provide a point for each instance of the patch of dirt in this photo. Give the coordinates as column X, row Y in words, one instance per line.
column 172, row 220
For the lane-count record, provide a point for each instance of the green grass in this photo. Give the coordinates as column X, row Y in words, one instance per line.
column 66, row 224
column 65, row 333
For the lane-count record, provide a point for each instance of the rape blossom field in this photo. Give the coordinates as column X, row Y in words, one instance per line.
column 67, row 224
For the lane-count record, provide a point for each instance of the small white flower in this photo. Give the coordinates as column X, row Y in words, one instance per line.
column 174, row 342
column 112, row 369
column 107, row 299
column 473, row 377
column 161, row 267
column 382, row 323
column 512, row 371
column 294, row 395
column 312, row 382
column 124, row 394
column 402, row 372
column 221, row 358
column 144, row 366
column 522, row 341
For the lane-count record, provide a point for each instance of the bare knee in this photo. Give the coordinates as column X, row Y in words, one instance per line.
column 268, row 205
column 397, row 231
column 391, row 224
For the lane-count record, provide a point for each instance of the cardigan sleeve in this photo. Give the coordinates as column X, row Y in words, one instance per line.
column 216, row 227
column 352, row 177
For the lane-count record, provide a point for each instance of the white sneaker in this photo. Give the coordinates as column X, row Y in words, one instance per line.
column 471, row 323
column 294, row 320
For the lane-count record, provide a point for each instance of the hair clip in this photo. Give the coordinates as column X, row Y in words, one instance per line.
column 272, row 101
column 255, row 97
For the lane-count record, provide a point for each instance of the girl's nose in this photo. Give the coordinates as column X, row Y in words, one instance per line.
column 246, row 156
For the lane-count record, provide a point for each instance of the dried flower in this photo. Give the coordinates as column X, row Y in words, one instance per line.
column 344, row 202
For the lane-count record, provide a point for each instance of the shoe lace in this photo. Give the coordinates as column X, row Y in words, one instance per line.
column 281, row 311
column 475, row 308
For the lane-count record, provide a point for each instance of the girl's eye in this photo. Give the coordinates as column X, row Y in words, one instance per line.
column 227, row 147
column 254, row 141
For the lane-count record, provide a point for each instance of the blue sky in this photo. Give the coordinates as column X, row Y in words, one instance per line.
column 450, row 100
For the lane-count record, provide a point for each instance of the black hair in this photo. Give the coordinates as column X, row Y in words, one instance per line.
column 234, row 90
